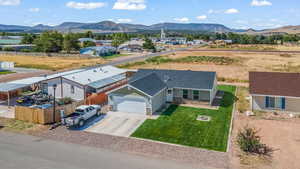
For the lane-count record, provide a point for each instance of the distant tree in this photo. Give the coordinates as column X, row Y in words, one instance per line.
column 49, row 41
column 88, row 44
column 89, row 34
column 28, row 39
column 149, row 45
column 70, row 42
column 119, row 38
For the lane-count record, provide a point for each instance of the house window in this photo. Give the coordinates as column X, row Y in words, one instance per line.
column 169, row 91
column 275, row 102
column 196, row 95
column 185, row 94
column 72, row 89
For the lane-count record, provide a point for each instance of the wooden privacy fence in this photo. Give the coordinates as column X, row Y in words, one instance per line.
column 43, row 116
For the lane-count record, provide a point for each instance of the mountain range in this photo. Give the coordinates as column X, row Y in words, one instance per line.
column 109, row 27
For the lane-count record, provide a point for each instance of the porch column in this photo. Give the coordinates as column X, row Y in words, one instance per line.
column 8, row 99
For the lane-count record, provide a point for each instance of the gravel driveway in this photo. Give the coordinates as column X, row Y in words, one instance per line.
column 193, row 156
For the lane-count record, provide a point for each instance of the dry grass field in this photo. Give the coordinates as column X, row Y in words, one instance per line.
column 234, row 72
column 51, row 63
column 256, row 47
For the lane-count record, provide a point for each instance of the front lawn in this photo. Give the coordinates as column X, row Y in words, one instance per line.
column 5, row 72
column 178, row 125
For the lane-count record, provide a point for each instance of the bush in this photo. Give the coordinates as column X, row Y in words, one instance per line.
column 65, row 101
column 250, row 142
column 26, row 50
column 9, row 49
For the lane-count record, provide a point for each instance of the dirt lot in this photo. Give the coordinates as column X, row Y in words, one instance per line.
column 237, row 72
column 280, row 132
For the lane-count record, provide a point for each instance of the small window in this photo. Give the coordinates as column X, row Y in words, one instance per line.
column 169, row 91
column 72, row 89
column 275, row 102
column 185, row 94
column 196, row 95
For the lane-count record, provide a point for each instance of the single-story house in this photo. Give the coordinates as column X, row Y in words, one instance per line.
column 132, row 46
column 99, row 51
column 7, row 65
column 274, row 91
column 149, row 90
column 82, row 84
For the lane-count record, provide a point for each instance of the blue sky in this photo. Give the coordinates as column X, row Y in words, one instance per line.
column 258, row 14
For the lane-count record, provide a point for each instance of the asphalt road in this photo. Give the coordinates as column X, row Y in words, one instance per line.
column 27, row 152
column 138, row 58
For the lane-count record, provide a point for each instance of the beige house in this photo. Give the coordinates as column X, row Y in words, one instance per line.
column 273, row 91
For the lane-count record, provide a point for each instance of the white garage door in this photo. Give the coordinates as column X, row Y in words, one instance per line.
column 130, row 105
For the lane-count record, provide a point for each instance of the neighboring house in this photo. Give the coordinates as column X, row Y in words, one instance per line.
column 10, row 40
column 149, row 90
column 6, row 65
column 82, row 84
column 99, row 51
column 273, row 91
column 132, row 46
column 16, row 47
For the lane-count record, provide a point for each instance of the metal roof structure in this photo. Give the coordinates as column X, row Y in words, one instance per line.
column 104, row 82
column 18, row 84
column 7, row 87
column 95, row 75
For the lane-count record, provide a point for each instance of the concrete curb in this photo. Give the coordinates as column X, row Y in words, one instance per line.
column 231, row 123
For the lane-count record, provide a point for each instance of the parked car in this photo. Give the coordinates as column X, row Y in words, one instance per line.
column 25, row 101
column 81, row 115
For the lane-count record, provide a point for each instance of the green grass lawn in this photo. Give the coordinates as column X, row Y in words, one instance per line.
column 114, row 56
column 178, row 125
column 5, row 72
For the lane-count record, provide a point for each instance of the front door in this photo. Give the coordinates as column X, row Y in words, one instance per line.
column 170, row 95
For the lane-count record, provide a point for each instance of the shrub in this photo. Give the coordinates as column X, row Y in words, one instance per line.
column 65, row 101
column 9, row 49
column 250, row 142
column 26, row 50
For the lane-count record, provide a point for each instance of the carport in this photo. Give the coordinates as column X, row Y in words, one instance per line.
column 9, row 87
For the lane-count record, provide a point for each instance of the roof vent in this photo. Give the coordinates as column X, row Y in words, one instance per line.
column 89, row 80
column 166, row 78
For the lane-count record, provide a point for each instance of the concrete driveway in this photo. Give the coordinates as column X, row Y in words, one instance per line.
column 118, row 124
column 5, row 111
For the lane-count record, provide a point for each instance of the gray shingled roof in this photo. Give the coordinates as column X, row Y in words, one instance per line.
column 150, row 84
column 181, row 78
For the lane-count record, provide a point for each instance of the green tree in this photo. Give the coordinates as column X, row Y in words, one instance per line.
column 89, row 34
column 49, row 41
column 28, row 39
column 70, row 42
column 119, row 38
column 149, row 45
column 88, row 44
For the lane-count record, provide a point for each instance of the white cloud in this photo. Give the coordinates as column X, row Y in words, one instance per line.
column 202, row 17
column 130, row 5
column 88, row 5
column 34, row 10
column 10, row 2
column 184, row 19
column 232, row 11
column 261, row 3
column 123, row 20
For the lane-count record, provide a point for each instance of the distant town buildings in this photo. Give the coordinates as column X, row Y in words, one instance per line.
column 99, row 51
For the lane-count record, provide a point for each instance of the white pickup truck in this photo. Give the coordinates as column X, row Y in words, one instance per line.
column 81, row 115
